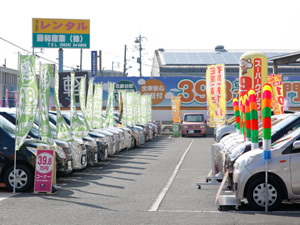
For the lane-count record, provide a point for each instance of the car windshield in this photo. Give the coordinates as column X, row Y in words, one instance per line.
column 9, row 128
column 231, row 120
column 193, row 118
column 286, row 138
column 277, row 123
column 283, row 123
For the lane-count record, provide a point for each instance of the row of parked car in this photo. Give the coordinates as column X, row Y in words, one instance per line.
column 76, row 155
column 246, row 166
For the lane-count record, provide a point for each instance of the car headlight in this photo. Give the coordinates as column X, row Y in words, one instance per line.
column 75, row 147
column 185, row 127
column 236, row 151
column 60, row 152
column 91, row 143
column 202, row 126
column 100, row 139
column 33, row 150
column 243, row 162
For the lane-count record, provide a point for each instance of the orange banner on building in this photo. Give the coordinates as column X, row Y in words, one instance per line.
column 277, row 97
column 176, row 109
column 216, row 94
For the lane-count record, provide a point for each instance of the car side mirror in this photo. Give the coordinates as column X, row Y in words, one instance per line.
column 296, row 145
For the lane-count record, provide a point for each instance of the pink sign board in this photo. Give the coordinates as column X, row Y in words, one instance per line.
column 43, row 170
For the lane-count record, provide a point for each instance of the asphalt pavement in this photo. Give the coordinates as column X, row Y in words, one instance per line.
column 153, row 184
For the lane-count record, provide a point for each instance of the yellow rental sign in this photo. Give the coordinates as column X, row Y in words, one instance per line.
column 60, row 26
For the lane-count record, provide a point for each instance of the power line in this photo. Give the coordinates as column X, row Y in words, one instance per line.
column 25, row 50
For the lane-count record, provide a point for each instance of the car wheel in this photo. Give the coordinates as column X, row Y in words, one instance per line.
column 256, row 194
column 24, row 178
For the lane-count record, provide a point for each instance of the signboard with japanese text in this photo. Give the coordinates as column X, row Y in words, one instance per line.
column 176, row 109
column 28, row 98
column 191, row 89
column 277, row 96
column 94, row 63
column 44, row 169
column 60, row 33
column 65, row 88
column 253, row 74
column 215, row 92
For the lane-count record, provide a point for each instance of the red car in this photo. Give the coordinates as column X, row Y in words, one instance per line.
column 193, row 125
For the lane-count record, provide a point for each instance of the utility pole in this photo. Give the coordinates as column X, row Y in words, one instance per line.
column 81, row 59
column 140, row 49
column 124, row 70
column 100, row 64
column 138, row 40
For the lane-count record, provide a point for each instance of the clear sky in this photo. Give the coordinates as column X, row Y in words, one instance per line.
column 168, row 24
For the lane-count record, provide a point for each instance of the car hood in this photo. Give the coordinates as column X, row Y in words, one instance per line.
column 193, row 123
column 34, row 143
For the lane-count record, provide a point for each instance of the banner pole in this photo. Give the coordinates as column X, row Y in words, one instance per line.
column 16, row 125
column 39, row 98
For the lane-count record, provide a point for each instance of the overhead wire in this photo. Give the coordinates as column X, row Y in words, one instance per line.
column 25, row 50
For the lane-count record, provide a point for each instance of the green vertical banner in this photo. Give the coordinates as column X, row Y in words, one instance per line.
column 144, row 109
column 130, row 108
column 139, row 115
column 97, row 107
column 89, row 104
column 109, row 116
column 45, row 75
column 62, row 129
column 82, row 95
column 82, row 100
column 135, row 108
column 149, row 111
column 28, row 98
column 77, row 126
column 125, row 108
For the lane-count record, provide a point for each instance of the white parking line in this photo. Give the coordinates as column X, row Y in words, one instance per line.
column 231, row 211
column 154, row 207
column 4, row 196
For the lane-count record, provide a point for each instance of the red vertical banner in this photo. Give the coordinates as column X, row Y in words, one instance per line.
column 275, row 80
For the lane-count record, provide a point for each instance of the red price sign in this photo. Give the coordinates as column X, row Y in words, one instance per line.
column 43, row 170
column 44, row 163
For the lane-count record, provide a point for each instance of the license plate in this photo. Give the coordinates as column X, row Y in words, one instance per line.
column 83, row 160
column 96, row 157
column 69, row 165
column 191, row 131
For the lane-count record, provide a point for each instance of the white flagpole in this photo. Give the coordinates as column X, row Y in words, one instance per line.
column 39, row 98
column 16, row 125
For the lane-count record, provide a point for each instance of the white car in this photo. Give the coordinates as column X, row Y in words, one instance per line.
column 283, row 174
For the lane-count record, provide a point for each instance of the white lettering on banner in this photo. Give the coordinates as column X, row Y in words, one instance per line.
column 40, row 38
column 55, row 38
column 61, row 38
column 67, row 85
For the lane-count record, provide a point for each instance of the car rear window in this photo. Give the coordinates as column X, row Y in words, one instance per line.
column 193, row 118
